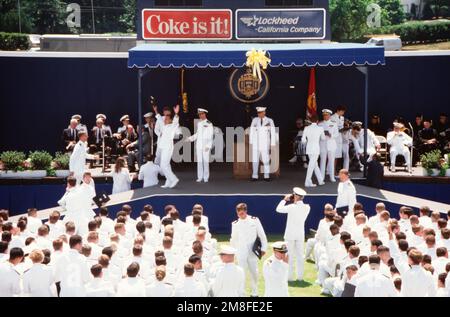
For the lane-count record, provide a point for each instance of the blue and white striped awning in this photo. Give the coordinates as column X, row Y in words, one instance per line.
column 225, row 55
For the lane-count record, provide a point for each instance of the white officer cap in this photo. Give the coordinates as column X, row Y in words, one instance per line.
column 280, row 246
column 227, row 250
column 299, row 191
column 202, row 110
column 261, row 109
column 100, row 116
column 398, row 125
column 357, row 123
column 327, row 111
column 76, row 117
column 125, row 117
column 148, row 115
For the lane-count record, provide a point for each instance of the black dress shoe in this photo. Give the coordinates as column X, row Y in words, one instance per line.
column 253, row 179
column 267, row 179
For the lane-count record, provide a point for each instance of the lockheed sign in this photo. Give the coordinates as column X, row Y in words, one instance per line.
column 185, row 24
column 288, row 24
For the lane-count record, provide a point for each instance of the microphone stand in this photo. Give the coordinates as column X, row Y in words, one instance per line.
column 412, row 147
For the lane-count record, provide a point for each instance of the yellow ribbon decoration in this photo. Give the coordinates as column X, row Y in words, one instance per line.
column 257, row 60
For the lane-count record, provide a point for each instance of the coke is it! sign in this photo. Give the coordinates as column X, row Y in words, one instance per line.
column 167, row 24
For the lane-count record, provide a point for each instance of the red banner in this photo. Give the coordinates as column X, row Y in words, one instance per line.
column 311, row 105
column 167, row 24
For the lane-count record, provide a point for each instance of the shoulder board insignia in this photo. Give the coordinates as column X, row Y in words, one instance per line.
column 234, row 222
column 207, row 121
column 23, row 271
column 170, row 284
column 253, row 217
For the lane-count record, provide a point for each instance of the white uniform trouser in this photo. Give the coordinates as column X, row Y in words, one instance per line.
column 324, row 154
column 310, row 245
column 158, row 158
column 248, row 260
column 203, row 164
column 166, row 157
column 397, row 151
column 78, row 176
column 265, row 158
column 313, row 167
column 295, row 249
column 345, row 156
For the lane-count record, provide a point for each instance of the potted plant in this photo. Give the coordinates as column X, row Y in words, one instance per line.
column 40, row 162
column 447, row 164
column 430, row 162
column 61, row 164
column 12, row 164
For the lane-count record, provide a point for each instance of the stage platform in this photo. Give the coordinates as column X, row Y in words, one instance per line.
column 220, row 195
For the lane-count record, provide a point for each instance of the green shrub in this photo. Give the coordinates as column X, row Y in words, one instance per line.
column 431, row 160
column 419, row 31
column 14, row 41
column 40, row 160
column 12, row 160
column 61, row 161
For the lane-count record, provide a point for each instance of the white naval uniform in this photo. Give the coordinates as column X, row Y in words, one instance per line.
column 416, row 282
column 72, row 271
column 159, row 124
column 131, row 287
column 339, row 120
column 328, row 148
column 312, row 135
column 190, row 288
column 243, row 235
column 86, row 193
column 346, row 195
column 295, row 234
column 159, row 289
column 121, row 181
column 73, row 204
column 229, row 281
column 375, row 284
column 149, row 174
column 77, row 163
column 99, row 287
column 372, row 143
column 39, row 281
column 345, row 148
column 204, row 141
column 165, row 145
column 262, row 137
column 275, row 277
column 10, row 280
column 400, row 143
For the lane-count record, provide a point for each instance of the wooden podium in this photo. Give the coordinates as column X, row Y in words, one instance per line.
column 242, row 164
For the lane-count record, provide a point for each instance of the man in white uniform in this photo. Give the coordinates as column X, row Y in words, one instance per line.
column 149, row 172
column 244, row 233
column 357, row 138
column 328, row 146
column 262, row 137
column 230, row 278
column 204, row 140
column 72, row 202
column 9, row 276
column 297, row 212
column 77, row 163
column 400, row 143
column 158, row 130
column 338, row 118
column 346, row 198
column 312, row 135
column 374, row 283
column 165, row 144
column 275, row 271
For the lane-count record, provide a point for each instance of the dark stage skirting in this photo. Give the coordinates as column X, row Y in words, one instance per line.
column 219, row 197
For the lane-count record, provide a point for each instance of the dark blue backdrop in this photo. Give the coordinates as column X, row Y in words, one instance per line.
column 38, row 95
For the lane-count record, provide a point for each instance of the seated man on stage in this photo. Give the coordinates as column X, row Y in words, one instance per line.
column 127, row 138
column 427, row 138
column 70, row 136
column 133, row 149
column 99, row 133
column 80, row 126
column 400, row 143
column 297, row 145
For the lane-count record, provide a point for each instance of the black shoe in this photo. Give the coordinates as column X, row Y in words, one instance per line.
column 253, row 179
column 267, row 179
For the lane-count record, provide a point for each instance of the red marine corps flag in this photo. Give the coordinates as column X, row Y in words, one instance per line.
column 311, row 106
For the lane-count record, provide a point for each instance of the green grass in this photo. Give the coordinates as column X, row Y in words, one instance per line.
column 305, row 288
